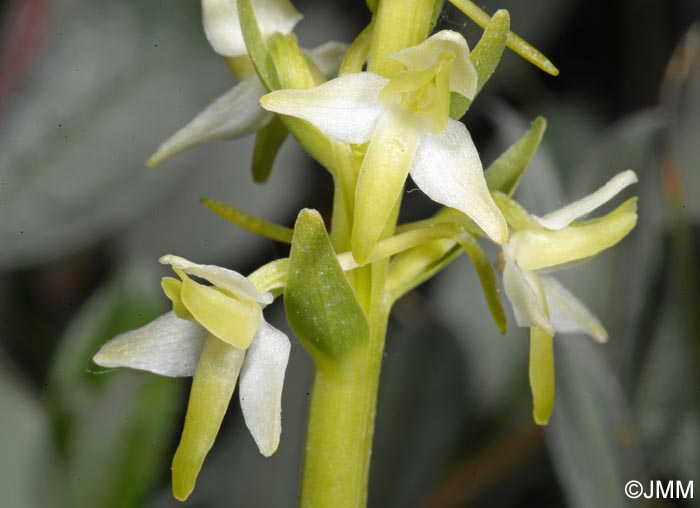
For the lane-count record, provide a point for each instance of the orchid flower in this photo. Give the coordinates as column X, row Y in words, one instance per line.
column 214, row 333
column 406, row 121
column 540, row 302
column 237, row 113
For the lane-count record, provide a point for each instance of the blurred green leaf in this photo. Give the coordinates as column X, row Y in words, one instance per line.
column 590, row 436
column 680, row 95
column 77, row 132
column 423, row 388
column 114, row 429
column 25, row 441
column 321, row 306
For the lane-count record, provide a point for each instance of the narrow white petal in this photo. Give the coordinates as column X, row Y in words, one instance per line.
column 568, row 313
column 223, row 29
column 234, row 114
column 521, row 290
column 448, row 169
column 328, row 57
column 168, row 346
column 221, row 277
column 344, row 108
column 261, row 384
column 566, row 215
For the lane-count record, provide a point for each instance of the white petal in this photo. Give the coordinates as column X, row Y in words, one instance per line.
column 448, row 169
column 521, row 290
column 344, row 108
column 168, row 346
column 221, row 277
column 223, row 29
column 568, row 313
column 328, row 57
column 566, row 215
column 261, row 384
column 235, row 113
column 463, row 75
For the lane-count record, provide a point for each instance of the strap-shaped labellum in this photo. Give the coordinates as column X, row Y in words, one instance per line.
column 321, row 306
column 256, row 46
column 268, row 142
column 541, row 375
column 250, row 222
column 505, row 173
column 485, row 57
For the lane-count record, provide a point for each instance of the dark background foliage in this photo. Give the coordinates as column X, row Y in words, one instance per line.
column 88, row 89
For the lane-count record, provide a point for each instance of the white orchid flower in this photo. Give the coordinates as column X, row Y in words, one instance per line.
column 540, row 302
column 406, row 121
column 214, row 333
column 237, row 112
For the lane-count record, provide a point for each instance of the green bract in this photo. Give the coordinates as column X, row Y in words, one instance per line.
column 321, row 306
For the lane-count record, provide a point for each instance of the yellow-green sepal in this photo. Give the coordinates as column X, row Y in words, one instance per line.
column 505, row 173
column 541, row 375
column 212, row 388
column 172, row 289
column 233, row 320
column 250, row 222
column 487, row 277
column 382, row 177
column 537, row 249
column 321, row 306
column 485, row 57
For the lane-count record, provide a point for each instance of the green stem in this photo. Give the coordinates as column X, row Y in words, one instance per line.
column 341, row 424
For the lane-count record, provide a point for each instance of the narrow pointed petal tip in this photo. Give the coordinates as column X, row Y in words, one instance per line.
column 569, row 314
column 168, row 346
column 260, row 391
column 447, row 168
column 566, row 215
column 234, row 114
